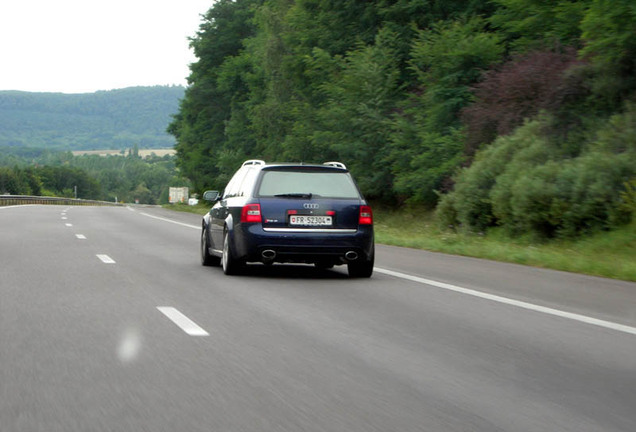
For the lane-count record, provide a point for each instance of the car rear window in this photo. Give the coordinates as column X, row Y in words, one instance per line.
column 325, row 184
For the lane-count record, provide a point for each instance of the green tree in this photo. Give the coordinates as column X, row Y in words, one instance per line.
column 539, row 24
column 427, row 144
column 357, row 115
column 63, row 180
column 610, row 42
column 199, row 126
column 9, row 182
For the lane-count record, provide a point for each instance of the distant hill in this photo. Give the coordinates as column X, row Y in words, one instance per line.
column 115, row 119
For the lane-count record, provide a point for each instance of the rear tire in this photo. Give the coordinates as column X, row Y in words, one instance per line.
column 231, row 266
column 362, row 269
column 206, row 258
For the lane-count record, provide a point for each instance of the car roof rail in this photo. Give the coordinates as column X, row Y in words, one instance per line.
column 335, row 164
column 253, row 162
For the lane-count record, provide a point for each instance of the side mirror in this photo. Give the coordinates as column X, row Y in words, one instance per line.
column 211, row 195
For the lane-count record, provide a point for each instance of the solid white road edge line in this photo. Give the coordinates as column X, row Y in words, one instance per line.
column 171, row 221
column 185, row 323
column 106, row 259
column 517, row 303
column 504, row 300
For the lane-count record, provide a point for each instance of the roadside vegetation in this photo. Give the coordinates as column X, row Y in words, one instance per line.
column 506, row 115
column 123, row 178
column 606, row 254
column 511, row 124
column 201, row 208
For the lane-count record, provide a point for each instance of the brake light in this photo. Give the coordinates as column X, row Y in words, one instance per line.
column 251, row 213
column 366, row 216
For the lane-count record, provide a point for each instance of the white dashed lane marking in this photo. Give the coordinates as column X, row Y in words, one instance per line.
column 106, row 259
column 185, row 323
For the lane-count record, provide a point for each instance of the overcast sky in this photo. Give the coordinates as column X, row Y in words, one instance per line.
column 78, row 46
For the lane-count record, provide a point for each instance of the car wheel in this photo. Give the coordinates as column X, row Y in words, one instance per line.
column 360, row 268
column 206, row 258
column 231, row 266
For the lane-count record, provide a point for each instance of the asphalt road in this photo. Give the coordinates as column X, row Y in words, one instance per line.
column 109, row 323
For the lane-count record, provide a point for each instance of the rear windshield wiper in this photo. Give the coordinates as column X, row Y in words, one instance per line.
column 294, row 195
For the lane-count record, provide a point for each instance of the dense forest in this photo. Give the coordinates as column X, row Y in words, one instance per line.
column 519, row 114
column 126, row 178
column 114, row 119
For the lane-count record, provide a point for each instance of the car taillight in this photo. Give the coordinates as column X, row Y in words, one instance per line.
column 366, row 216
column 251, row 213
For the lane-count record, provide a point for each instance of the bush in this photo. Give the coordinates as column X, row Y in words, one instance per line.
column 527, row 185
column 471, row 201
column 564, row 198
column 517, row 91
column 626, row 210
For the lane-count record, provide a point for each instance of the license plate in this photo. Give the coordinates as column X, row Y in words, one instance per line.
column 310, row 220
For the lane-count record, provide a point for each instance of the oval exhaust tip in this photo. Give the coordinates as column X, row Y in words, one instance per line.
column 268, row 254
column 351, row 256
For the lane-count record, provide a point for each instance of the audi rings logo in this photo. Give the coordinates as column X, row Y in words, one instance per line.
column 310, row 206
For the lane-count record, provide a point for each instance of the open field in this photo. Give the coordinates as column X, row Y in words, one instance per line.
column 142, row 152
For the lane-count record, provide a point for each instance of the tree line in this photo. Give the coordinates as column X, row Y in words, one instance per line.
column 125, row 178
column 512, row 113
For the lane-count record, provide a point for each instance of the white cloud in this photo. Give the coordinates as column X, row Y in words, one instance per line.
column 76, row 46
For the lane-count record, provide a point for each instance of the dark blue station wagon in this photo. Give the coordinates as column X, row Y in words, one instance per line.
column 289, row 213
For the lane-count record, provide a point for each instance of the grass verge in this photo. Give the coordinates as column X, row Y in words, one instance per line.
column 607, row 254
column 200, row 209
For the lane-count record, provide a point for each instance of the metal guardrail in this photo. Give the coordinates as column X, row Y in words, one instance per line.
column 11, row 200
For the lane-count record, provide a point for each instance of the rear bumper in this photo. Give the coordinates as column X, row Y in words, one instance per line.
column 302, row 245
